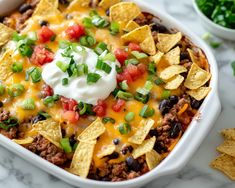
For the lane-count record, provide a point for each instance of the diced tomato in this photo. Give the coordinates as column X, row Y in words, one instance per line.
column 134, row 47
column 71, row 116
column 68, row 104
column 124, row 76
column 117, row 107
column 45, row 34
column 41, row 56
column 100, row 108
column 142, row 68
column 121, row 55
column 47, row 91
column 75, row 31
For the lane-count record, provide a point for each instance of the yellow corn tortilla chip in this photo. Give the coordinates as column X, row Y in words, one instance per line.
column 76, row 4
column 175, row 82
column 55, row 3
column 93, row 131
column 229, row 133
column 5, row 65
column 131, row 25
column 27, row 140
column 142, row 131
column 46, row 8
column 105, row 4
column 228, row 147
column 106, row 150
column 167, row 41
column 148, row 46
column 152, row 159
column 196, row 77
column 199, row 93
column 225, row 164
column 171, row 71
column 82, row 158
column 50, row 130
column 124, row 12
column 157, row 57
column 173, row 56
column 138, row 35
column 5, row 34
column 145, row 147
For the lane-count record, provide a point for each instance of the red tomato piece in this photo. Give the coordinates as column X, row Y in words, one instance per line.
column 71, row 116
column 45, row 34
column 68, row 104
column 134, row 47
column 75, row 31
column 100, row 108
column 124, row 76
column 121, row 55
column 117, row 107
column 133, row 71
column 142, row 68
column 47, row 91
column 41, row 56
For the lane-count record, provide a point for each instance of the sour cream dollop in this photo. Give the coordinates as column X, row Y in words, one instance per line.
column 77, row 87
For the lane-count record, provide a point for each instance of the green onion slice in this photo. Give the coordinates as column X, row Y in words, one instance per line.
column 28, row 104
column 146, row 112
column 124, row 95
column 124, row 86
column 101, row 65
column 108, row 119
column 129, row 116
column 139, row 55
column 124, row 128
column 65, row 144
column 17, row 67
column 16, row 90
column 93, row 78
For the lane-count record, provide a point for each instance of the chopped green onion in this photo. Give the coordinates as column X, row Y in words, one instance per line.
column 159, row 81
column 139, row 55
column 166, row 94
column 147, row 88
column 142, row 98
column 44, row 114
column 99, row 21
column 2, row 89
column 115, row 91
column 124, row 86
column 17, row 37
column 16, row 90
column 63, row 66
column 108, row 119
column 65, row 144
column 132, row 61
column 93, row 13
column 28, row 104
column 32, row 36
column 65, row 81
column 7, row 124
column 103, row 66
column 17, row 67
column 85, row 109
column 87, row 22
column 233, row 67
column 36, row 75
column 124, row 128
column 87, row 41
column 119, row 69
column 152, row 68
column 109, row 57
column 114, row 28
column 24, row 45
column 100, row 48
column 64, row 44
column 50, row 100
column 124, row 95
column 129, row 116
column 146, row 112
column 93, row 78
column 82, row 69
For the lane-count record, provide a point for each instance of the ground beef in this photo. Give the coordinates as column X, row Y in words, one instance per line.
column 144, row 19
column 45, row 149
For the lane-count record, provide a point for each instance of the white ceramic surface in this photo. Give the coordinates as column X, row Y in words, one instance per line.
column 214, row 28
column 7, row 6
column 180, row 155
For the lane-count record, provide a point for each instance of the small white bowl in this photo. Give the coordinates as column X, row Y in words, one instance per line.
column 214, row 28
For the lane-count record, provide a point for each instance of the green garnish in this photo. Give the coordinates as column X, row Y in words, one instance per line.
column 139, row 55
column 17, row 67
column 108, row 119
column 146, row 112
column 166, row 94
column 159, row 81
column 99, row 21
column 132, row 61
column 152, row 68
column 100, row 48
column 16, row 90
column 124, row 86
column 119, row 69
column 87, row 41
column 50, row 100
column 92, row 78
column 142, row 98
column 101, row 65
column 65, row 81
column 82, row 69
column 35, row 74
column 146, row 89
column 9, row 123
column 114, row 28
column 129, row 116
column 124, row 95
column 44, row 114
column 124, row 128
column 63, row 66
column 2, row 89
column 85, row 109
column 65, row 144
column 28, row 104
column 109, row 57
column 87, row 22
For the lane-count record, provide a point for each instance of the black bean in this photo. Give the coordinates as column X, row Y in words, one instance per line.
column 158, row 27
column 132, row 164
column 43, row 23
column 72, row 140
column 107, row 12
column 38, row 118
column 153, row 132
column 173, row 99
column 175, row 130
column 184, row 55
column 130, row 149
column 1, row 104
column 116, row 141
column 164, row 106
column 23, row 8
column 126, row 149
column 114, row 155
column 160, row 147
column 195, row 104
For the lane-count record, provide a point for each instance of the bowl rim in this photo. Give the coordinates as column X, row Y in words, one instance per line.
column 211, row 101
column 208, row 20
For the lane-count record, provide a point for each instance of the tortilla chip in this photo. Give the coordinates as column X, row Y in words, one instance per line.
column 174, row 83
column 228, row 147
column 106, row 150
column 27, row 140
column 55, row 3
column 46, row 8
column 5, row 34
column 142, row 131
column 50, row 130
column 197, row 77
column 131, row 25
column 199, row 93
column 93, row 131
column 152, row 159
column 171, row 71
column 5, row 65
column 173, row 56
column 145, row 147
column 82, row 158
column 225, row 164
column 124, row 12
column 105, row 4
column 148, row 46
column 76, row 4
column 167, row 41
column 157, row 57
column 229, row 133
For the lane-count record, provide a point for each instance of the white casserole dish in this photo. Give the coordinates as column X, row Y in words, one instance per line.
column 186, row 147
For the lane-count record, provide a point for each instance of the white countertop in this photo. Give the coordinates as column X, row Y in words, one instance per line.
column 17, row 173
